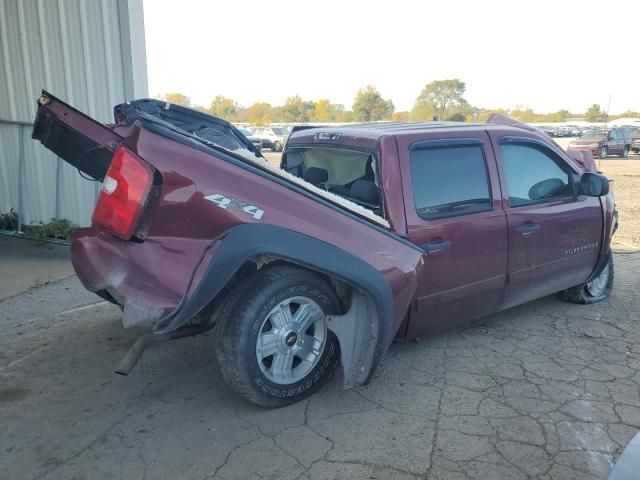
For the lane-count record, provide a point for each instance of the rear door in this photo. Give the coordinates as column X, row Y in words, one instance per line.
column 554, row 234
column 616, row 142
column 454, row 212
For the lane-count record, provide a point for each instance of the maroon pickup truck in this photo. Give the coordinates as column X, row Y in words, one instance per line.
column 365, row 234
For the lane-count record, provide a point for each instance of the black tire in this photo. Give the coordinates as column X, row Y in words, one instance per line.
column 277, row 146
column 240, row 322
column 625, row 152
column 603, row 153
column 584, row 294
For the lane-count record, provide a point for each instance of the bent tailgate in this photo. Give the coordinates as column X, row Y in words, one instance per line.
column 79, row 140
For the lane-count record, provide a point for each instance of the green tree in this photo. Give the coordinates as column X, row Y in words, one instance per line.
column 296, row 110
column 457, row 117
column 260, row 113
column 370, row 106
column 176, row 97
column 224, row 107
column 400, row 116
column 439, row 97
column 594, row 113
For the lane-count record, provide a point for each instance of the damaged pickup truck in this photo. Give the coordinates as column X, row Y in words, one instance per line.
column 365, row 234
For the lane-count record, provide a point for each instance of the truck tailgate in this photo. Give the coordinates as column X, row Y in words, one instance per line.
column 78, row 139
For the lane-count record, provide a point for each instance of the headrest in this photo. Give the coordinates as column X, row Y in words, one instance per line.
column 366, row 191
column 316, row 175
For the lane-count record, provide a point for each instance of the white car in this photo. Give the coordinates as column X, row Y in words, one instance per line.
column 272, row 137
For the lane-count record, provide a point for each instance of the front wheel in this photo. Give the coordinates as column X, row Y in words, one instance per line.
column 625, row 153
column 603, row 152
column 277, row 146
column 594, row 291
column 273, row 346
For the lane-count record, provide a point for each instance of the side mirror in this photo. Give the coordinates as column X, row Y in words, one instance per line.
column 594, row 184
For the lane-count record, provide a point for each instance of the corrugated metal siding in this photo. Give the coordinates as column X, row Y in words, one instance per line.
column 72, row 48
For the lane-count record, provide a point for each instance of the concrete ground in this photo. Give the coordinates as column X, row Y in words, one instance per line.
column 547, row 390
column 28, row 263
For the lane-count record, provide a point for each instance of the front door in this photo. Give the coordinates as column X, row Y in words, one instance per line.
column 554, row 234
column 454, row 212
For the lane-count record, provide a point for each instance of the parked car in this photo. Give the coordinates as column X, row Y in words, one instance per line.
column 634, row 134
column 257, row 142
column 564, row 132
column 603, row 142
column 272, row 137
column 366, row 233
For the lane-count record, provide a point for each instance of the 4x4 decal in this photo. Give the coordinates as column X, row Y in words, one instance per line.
column 225, row 202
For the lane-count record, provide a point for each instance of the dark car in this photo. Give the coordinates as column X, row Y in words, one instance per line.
column 634, row 134
column 367, row 233
column 257, row 142
column 603, row 142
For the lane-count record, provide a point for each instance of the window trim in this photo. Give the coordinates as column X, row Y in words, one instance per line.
column 555, row 157
column 446, row 144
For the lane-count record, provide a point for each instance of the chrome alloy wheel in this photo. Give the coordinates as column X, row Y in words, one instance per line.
column 291, row 340
column 598, row 285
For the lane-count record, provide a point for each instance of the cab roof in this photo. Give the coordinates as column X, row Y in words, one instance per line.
column 371, row 132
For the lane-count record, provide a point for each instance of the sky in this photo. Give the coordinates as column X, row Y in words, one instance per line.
column 544, row 55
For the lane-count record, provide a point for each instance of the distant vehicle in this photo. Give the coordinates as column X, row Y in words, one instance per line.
column 634, row 134
column 257, row 142
column 603, row 142
column 272, row 137
column 564, row 132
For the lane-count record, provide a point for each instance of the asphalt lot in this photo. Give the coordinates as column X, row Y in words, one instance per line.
column 30, row 263
column 547, row 390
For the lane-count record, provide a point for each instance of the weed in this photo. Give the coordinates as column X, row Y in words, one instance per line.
column 9, row 221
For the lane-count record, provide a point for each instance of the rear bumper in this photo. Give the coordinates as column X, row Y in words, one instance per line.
column 147, row 279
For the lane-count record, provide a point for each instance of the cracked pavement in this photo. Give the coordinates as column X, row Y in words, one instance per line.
column 547, row 390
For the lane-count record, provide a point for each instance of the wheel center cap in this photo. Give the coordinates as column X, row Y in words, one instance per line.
column 291, row 339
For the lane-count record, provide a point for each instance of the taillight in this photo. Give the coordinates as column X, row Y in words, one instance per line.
column 124, row 191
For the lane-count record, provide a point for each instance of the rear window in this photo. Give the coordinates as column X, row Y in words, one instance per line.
column 351, row 174
column 449, row 181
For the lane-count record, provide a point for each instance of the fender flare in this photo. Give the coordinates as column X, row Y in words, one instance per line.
column 247, row 241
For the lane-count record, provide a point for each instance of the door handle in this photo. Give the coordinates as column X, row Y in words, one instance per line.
column 436, row 246
column 527, row 229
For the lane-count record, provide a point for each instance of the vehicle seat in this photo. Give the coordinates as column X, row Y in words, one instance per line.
column 315, row 175
column 366, row 192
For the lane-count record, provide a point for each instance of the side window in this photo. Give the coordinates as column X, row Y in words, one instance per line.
column 449, row 181
column 533, row 176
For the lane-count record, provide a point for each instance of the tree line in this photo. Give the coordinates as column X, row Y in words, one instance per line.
column 438, row 100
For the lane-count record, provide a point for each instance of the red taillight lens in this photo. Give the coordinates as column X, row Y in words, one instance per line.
column 124, row 191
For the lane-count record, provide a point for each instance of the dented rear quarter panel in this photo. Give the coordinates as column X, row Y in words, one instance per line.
column 183, row 223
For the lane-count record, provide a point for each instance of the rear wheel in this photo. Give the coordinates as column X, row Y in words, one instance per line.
column 277, row 146
column 273, row 346
column 603, row 152
column 594, row 291
column 625, row 152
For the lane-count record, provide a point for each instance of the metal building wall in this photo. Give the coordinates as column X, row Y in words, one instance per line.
column 89, row 53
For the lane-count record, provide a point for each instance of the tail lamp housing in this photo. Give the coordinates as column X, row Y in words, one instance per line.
column 124, row 191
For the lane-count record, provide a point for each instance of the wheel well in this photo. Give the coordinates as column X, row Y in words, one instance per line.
column 343, row 290
column 357, row 324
